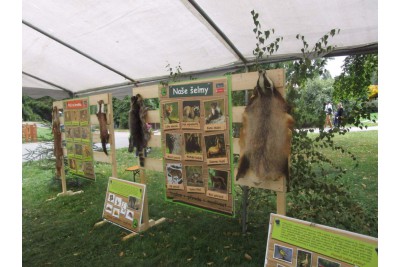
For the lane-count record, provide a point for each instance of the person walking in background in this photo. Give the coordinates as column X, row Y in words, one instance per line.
column 328, row 111
column 338, row 115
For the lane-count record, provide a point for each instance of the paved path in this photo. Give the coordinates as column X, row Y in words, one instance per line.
column 121, row 140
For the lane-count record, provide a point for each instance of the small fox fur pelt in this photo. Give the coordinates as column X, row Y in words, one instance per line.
column 139, row 134
column 265, row 136
column 102, row 117
column 58, row 151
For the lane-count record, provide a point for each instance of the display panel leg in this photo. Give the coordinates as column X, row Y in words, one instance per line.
column 245, row 204
column 281, row 203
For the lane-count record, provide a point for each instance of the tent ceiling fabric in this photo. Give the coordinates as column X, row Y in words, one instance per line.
column 86, row 45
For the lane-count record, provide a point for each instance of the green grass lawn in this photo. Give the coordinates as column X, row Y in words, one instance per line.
column 61, row 232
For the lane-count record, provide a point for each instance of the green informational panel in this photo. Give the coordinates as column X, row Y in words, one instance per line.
column 124, row 203
column 301, row 243
column 196, row 137
column 78, row 137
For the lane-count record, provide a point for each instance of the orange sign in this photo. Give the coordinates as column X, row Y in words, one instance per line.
column 77, row 104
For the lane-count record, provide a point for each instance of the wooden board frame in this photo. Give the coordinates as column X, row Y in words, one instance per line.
column 239, row 82
column 97, row 156
column 212, row 134
column 294, row 242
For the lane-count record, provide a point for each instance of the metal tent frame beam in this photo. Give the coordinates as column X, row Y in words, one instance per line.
column 70, row 93
column 218, row 31
column 77, row 50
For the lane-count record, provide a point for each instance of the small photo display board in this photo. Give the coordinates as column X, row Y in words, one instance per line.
column 124, row 203
column 78, row 137
column 293, row 242
column 196, row 145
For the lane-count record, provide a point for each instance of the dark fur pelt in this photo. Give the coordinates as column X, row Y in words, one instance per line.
column 139, row 134
column 58, row 151
column 265, row 135
column 102, row 117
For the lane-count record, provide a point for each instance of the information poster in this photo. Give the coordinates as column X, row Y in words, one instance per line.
column 293, row 242
column 78, row 137
column 124, row 203
column 196, row 144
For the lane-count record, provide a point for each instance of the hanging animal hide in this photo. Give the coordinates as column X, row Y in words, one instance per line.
column 102, row 117
column 58, row 151
column 265, row 135
column 139, row 134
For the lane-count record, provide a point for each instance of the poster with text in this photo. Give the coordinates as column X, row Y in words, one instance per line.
column 78, row 138
column 124, row 203
column 196, row 145
column 293, row 242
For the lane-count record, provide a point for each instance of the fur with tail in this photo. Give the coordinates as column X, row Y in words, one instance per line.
column 139, row 134
column 58, row 151
column 102, row 117
column 265, row 135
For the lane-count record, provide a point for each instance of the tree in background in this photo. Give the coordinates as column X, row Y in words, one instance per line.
column 37, row 109
column 352, row 87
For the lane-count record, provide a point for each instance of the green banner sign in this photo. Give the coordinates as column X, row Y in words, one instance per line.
column 331, row 244
column 189, row 90
column 124, row 189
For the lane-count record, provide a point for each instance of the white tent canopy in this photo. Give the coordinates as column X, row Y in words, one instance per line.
column 81, row 47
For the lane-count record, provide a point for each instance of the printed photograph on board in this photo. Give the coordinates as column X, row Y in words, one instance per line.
column 129, row 215
column 111, row 198
column 174, row 176
column 283, row 253
column 77, row 132
column 109, row 208
column 115, row 212
column 173, row 146
column 304, row 258
column 171, row 115
column 327, row 263
column 191, row 114
column 85, row 133
column 214, row 112
column 124, row 206
column 78, row 149
column 76, row 116
column 134, row 203
column 217, row 180
column 70, row 148
column 84, row 117
column 215, row 149
column 118, row 201
column 67, row 117
column 194, row 179
column 86, row 151
column 69, row 133
column 193, row 147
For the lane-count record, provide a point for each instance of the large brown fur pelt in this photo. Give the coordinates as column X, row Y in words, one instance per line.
column 102, row 117
column 58, row 151
column 265, row 135
column 139, row 134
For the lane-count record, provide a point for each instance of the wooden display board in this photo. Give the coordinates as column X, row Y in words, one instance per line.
column 78, row 137
column 293, row 242
column 239, row 82
column 195, row 125
column 78, row 124
column 123, row 205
